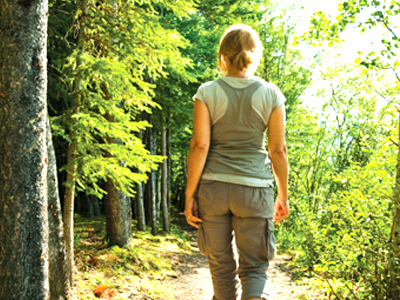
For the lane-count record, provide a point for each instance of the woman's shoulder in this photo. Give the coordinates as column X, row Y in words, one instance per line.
column 208, row 84
column 266, row 84
column 239, row 83
column 206, row 91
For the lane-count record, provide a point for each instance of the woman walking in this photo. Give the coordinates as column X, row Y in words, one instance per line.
column 229, row 193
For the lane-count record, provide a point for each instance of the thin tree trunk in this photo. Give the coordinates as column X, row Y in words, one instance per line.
column 164, row 179
column 60, row 286
column 68, row 212
column 158, row 194
column 141, row 217
column 169, row 165
column 182, row 198
column 152, row 183
column 147, row 184
column 395, row 232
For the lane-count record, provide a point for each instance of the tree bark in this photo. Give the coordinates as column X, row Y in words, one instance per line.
column 169, row 165
column 141, row 216
column 118, row 210
column 395, row 232
column 118, row 215
column 28, row 191
column 151, row 183
column 164, row 179
column 183, row 197
column 117, row 204
column 147, row 185
column 68, row 212
column 60, row 286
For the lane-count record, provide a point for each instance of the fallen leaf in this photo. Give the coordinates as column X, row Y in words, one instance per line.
column 98, row 292
column 93, row 261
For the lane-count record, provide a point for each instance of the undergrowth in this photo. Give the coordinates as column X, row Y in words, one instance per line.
column 133, row 272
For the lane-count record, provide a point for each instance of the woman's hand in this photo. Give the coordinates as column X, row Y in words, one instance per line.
column 192, row 212
column 281, row 210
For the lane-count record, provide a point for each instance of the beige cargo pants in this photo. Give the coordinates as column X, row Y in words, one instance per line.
column 242, row 214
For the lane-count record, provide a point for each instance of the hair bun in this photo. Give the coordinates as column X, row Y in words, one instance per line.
column 242, row 60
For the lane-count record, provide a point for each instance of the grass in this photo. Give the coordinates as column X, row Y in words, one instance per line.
column 135, row 272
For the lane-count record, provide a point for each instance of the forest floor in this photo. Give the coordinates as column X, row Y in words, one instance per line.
column 164, row 267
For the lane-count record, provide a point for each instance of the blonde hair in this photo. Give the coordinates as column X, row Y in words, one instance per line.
column 241, row 45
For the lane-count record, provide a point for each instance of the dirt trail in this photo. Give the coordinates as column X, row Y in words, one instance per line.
column 193, row 281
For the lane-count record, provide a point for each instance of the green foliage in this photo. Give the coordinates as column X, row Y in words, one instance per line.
column 342, row 172
column 281, row 62
column 108, row 80
column 360, row 215
column 346, row 244
column 365, row 14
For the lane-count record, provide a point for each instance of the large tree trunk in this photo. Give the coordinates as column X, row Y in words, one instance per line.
column 118, row 210
column 116, row 203
column 118, row 215
column 27, row 171
column 164, row 179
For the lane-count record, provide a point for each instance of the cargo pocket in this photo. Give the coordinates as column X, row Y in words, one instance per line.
column 202, row 241
column 269, row 243
column 205, row 192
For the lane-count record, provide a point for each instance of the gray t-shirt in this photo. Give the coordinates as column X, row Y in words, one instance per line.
column 239, row 109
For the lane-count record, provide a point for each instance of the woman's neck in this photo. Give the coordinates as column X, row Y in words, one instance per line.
column 233, row 72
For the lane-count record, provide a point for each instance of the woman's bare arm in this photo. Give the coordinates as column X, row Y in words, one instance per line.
column 278, row 154
column 198, row 152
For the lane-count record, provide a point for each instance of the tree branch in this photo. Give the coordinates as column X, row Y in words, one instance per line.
column 386, row 25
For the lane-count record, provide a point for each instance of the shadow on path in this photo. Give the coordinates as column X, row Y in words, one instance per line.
column 193, row 280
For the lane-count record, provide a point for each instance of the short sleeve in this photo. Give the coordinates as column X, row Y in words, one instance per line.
column 278, row 99
column 200, row 94
column 266, row 100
